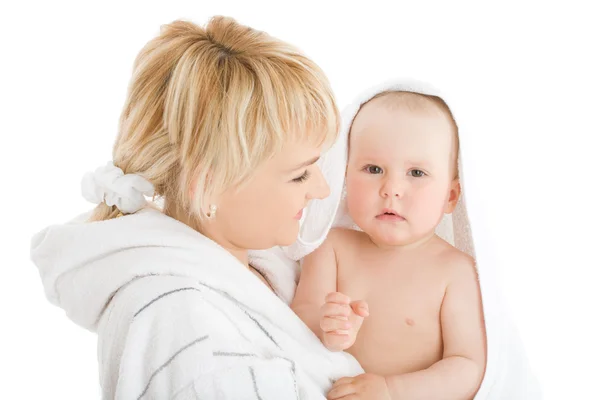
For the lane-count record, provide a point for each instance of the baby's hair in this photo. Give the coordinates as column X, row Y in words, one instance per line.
column 419, row 102
column 207, row 105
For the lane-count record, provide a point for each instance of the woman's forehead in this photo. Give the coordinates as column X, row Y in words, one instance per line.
column 294, row 154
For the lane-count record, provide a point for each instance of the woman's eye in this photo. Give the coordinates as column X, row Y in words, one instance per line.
column 374, row 169
column 302, row 177
column 417, row 173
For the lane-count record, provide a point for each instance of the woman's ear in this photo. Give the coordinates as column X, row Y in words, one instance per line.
column 453, row 196
column 209, row 205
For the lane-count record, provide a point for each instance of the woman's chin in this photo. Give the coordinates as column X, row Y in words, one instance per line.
column 288, row 237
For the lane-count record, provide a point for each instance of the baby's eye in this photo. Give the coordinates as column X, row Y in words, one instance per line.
column 417, row 173
column 374, row 169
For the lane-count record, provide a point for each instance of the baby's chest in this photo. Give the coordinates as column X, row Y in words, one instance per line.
column 398, row 297
column 402, row 332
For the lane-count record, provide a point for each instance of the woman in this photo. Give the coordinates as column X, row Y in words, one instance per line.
column 224, row 124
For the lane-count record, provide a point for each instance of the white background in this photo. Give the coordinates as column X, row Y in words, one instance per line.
column 527, row 79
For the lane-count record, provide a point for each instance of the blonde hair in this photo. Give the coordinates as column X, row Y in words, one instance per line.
column 419, row 102
column 207, row 105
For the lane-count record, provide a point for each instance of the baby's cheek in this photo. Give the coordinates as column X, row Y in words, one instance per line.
column 428, row 205
column 359, row 198
column 357, row 204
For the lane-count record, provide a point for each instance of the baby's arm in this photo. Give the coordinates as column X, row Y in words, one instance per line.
column 317, row 279
column 458, row 375
column 332, row 316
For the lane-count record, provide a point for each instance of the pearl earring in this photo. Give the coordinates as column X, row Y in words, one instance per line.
column 213, row 211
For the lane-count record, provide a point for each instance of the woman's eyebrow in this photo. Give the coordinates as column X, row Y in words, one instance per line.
column 306, row 163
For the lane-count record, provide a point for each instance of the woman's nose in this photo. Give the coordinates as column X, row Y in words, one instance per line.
column 320, row 190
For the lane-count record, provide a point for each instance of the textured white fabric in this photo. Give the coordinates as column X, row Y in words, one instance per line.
column 111, row 185
column 177, row 316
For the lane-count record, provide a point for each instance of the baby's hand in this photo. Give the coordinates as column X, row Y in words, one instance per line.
column 365, row 386
column 341, row 319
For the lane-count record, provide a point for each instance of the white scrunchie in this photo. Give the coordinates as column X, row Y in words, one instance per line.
column 110, row 185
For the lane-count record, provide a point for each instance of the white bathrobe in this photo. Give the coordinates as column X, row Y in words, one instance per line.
column 178, row 317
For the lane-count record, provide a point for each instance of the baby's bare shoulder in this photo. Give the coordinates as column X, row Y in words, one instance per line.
column 346, row 242
column 458, row 265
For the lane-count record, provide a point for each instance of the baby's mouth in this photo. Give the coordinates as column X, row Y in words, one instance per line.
column 390, row 215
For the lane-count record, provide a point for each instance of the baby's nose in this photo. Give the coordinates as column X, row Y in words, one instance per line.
column 393, row 189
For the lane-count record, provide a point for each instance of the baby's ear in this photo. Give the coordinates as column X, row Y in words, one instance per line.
column 453, row 196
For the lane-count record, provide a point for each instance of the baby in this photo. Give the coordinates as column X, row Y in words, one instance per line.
column 399, row 298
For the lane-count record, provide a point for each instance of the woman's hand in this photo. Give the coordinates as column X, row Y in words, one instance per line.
column 341, row 320
column 361, row 387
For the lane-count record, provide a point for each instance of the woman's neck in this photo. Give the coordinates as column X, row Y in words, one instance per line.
column 208, row 231
column 216, row 236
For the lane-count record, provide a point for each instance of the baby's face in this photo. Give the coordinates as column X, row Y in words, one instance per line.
column 400, row 172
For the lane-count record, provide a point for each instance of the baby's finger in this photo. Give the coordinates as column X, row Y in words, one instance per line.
column 335, row 310
column 341, row 381
column 336, row 342
column 344, row 389
column 337, row 297
column 360, row 307
column 340, row 326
